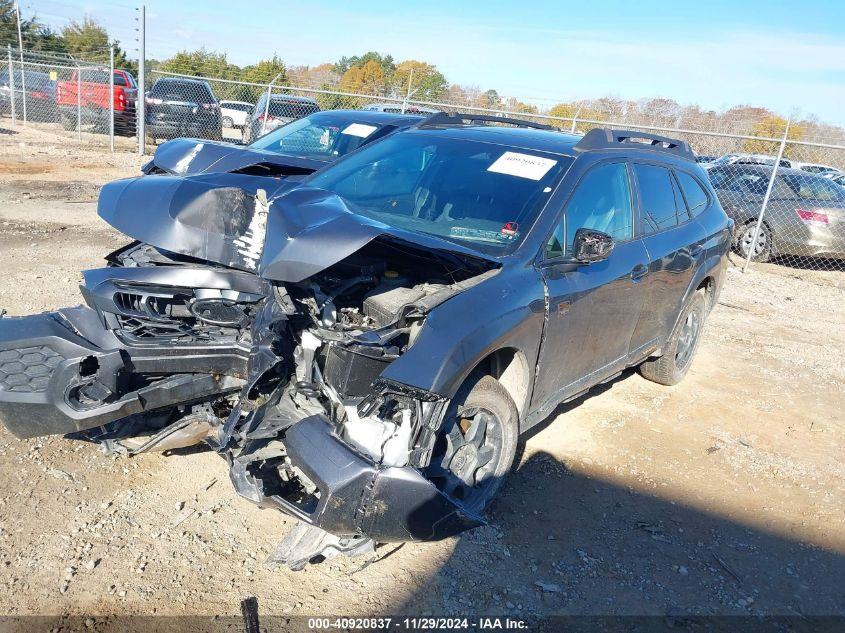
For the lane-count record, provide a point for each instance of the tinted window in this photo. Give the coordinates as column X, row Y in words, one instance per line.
column 119, row 80
column 657, row 197
column 480, row 194
column 695, row 196
column 602, row 202
column 292, row 109
column 182, row 91
column 319, row 136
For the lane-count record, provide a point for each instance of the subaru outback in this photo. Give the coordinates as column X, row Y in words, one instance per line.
column 366, row 349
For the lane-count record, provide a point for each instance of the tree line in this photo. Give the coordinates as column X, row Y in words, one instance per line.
column 380, row 75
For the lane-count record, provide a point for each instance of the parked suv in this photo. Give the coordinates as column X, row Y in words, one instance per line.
column 366, row 349
column 282, row 109
column 177, row 107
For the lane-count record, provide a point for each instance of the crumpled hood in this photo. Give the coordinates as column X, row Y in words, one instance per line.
column 244, row 222
column 187, row 157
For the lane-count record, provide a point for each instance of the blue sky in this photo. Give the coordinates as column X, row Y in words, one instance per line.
column 785, row 55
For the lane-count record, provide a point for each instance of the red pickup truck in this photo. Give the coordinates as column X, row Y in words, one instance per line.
column 86, row 98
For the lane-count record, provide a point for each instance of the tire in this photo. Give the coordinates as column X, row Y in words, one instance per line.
column 68, row 123
column 228, row 122
column 480, row 397
column 745, row 236
column 671, row 368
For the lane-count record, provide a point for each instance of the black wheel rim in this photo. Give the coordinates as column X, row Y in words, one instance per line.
column 687, row 339
column 467, row 456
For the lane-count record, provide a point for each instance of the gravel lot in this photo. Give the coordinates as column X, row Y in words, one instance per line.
column 723, row 495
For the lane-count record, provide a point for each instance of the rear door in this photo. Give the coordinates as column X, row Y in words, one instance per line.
column 675, row 244
column 592, row 311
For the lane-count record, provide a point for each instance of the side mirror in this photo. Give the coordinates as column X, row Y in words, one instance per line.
column 591, row 246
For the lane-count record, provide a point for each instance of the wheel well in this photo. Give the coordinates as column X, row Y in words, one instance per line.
column 708, row 284
column 510, row 367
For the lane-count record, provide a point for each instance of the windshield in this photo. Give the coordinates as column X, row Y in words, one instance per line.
column 479, row 194
column 318, row 136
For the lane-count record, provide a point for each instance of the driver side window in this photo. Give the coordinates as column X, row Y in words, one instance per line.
column 601, row 202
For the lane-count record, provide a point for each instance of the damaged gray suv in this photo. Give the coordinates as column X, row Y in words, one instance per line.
column 365, row 348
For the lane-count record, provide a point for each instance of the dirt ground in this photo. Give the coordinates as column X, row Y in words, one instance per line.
column 722, row 495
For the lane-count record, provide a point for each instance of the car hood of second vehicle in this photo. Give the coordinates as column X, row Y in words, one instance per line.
column 244, row 221
column 190, row 157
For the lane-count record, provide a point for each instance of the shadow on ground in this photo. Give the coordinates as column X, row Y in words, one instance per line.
column 592, row 547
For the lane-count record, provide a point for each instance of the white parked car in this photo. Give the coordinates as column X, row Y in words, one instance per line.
column 235, row 113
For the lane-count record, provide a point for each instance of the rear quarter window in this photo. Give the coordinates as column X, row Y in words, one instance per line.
column 694, row 194
column 657, row 197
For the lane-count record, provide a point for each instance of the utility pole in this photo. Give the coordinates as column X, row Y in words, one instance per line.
column 23, row 71
column 141, row 109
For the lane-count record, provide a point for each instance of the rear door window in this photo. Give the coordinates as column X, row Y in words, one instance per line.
column 693, row 193
column 658, row 197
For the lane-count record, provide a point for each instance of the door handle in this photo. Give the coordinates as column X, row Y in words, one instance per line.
column 638, row 272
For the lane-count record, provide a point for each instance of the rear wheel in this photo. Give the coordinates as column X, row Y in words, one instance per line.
column 228, row 122
column 68, row 123
column 761, row 250
column 671, row 368
column 477, row 443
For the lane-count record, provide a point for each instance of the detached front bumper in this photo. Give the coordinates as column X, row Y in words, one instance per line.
column 63, row 372
column 350, row 494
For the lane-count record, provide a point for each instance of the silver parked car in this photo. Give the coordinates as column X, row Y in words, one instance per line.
column 282, row 109
column 805, row 216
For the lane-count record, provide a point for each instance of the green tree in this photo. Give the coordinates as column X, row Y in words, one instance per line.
column 265, row 71
column 89, row 41
column 489, row 99
column 201, row 63
column 385, row 62
column 427, row 83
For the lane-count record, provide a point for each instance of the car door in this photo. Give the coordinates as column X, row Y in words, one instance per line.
column 675, row 243
column 593, row 309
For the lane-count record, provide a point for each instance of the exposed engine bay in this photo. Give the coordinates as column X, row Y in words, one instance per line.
column 284, row 380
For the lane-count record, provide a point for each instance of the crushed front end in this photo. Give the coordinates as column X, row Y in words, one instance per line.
column 282, row 379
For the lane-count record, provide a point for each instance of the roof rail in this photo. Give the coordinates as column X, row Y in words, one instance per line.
column 459, row 118
column 605, row 138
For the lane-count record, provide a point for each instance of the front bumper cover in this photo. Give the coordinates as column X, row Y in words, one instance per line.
column 356, row 496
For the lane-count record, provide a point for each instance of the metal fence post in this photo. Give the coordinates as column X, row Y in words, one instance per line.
column 79, row 103
column 141, row 107
column 765, row 204
column 111, row 98
column 12, row 84
column 267, row 105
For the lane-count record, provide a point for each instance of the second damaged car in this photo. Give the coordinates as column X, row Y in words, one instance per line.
column 365, row 350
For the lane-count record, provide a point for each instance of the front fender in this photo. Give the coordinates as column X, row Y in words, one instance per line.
column 506, row 310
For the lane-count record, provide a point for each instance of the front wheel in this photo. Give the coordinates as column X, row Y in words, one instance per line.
column 477, row 443
column 671, row 368
column 228, row 122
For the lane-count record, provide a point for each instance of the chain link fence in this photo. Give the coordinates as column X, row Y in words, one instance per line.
column 787, row 196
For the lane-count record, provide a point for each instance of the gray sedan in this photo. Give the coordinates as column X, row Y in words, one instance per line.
column 805, row 216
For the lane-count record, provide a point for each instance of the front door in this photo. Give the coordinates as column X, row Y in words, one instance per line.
column 592, row 311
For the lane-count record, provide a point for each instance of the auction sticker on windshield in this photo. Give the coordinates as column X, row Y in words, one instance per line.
column 359, row 129
column 522, row 165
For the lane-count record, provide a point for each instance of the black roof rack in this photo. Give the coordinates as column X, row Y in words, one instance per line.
column 460, row 118
column 605, row 138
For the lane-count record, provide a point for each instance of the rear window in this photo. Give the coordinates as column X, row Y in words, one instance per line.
column 292, row 109
column 182, row 91
column 810, row 188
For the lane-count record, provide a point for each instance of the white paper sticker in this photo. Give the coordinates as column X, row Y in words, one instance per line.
column 359, row 129
column 522, row 165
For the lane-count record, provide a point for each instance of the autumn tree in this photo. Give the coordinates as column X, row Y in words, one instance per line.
column 772, row 126
column 385, row 62
column 368, row 79
column 426, row 82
